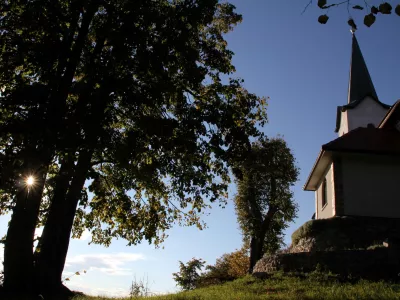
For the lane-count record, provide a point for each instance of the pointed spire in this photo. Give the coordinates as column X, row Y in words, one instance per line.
column 360, row 83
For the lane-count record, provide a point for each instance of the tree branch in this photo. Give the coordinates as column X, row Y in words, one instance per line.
column 305, row 8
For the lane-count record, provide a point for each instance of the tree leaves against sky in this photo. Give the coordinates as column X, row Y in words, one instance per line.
column 146, row 101
column 264, row 182
column 370, row 9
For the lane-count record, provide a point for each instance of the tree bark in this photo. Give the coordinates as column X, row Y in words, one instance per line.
column 257, row 241
column 50, row 259
column 18, row 250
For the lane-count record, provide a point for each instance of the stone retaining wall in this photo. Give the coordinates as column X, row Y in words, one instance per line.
column 380, row 263
column 344, row 233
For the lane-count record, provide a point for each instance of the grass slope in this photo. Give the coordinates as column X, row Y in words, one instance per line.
column 283, row 286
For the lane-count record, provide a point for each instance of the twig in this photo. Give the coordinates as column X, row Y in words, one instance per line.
column 305, row 8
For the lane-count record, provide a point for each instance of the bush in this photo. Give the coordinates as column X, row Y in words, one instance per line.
column 228, row 267
column 188, row 276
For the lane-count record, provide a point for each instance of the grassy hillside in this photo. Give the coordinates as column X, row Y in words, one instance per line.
column 280, row 286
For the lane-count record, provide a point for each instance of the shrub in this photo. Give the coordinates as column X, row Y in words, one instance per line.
column 188, row 275
column 228, row 267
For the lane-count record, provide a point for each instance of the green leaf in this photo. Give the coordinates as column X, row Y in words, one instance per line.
column 358, row 7
column 369, row 19
column 385, row 8
column 397, row 9
column 321, row 4
column 374, row 10
column 352, row 23
column 323, row 19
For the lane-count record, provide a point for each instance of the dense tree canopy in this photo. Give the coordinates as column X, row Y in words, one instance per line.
column 264, row 202
column 121, row 98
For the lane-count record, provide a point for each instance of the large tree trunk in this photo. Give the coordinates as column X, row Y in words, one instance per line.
column 54, row 242
column 18, row 251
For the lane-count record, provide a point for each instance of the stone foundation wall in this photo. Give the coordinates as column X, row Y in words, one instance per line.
column 344, row 233
column 380, row 263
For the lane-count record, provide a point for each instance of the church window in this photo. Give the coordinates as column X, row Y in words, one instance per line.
column 324, row 194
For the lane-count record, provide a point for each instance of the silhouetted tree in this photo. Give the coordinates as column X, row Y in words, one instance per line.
column 127, row 95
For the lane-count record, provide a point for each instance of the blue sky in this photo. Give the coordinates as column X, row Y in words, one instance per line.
column 304, row 68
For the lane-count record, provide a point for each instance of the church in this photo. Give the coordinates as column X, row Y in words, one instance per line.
column 358, row 174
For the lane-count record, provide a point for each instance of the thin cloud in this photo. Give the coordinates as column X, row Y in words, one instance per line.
column 96, row 291
column 110, row 264
column 85, row 234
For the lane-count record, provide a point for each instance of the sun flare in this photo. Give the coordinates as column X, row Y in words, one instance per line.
column 30, row 180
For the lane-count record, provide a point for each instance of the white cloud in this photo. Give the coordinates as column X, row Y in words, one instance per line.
column 97, row 291
column 85, row 235
column 110, row 264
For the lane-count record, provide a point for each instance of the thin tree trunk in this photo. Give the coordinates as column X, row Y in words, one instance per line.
column 254, row 253
column 257, row 241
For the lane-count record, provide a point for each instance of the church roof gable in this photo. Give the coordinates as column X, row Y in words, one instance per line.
column 367, row 140
column 392, row 118
column 361, row 140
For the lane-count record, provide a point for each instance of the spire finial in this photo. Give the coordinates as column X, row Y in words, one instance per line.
column 353, row 25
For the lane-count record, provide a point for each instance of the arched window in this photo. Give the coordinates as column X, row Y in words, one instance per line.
column 324, row 193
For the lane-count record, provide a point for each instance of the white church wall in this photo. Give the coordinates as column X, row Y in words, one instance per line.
column 371, row 185
column 344, row 127
column 368, row 111
column 328, row 210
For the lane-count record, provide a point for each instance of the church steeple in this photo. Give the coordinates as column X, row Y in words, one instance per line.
column 363, row 106
column 360, row 83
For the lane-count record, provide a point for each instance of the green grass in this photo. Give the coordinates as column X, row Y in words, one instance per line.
column 282, row 286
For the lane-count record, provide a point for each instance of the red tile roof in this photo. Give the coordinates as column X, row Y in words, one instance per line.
column 367, row 140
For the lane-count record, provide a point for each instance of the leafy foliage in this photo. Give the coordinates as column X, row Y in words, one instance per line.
column 371, row 9
column 228, row 267
column 264, row 202
column 188, row 274
column 127, row 102
column 165, row 132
